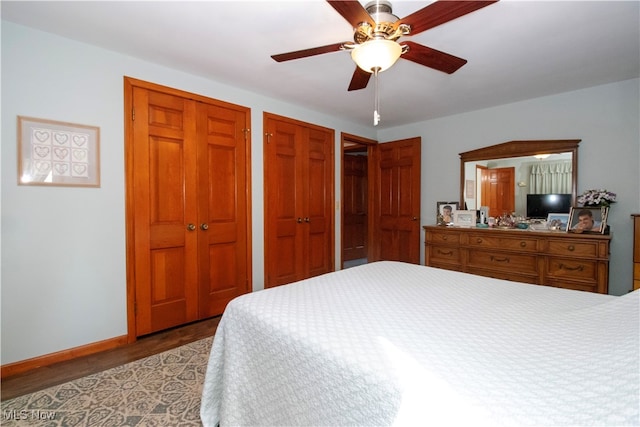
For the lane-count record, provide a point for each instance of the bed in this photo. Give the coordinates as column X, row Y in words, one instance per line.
column 390, row 343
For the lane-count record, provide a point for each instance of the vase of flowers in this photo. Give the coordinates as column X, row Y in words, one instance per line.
column 597, row 197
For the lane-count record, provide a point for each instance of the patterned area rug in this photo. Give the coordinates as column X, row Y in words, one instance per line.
column 160, row 390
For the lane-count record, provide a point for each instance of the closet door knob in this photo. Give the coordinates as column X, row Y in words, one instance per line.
column 306, row 219
column 299, row 220
column 204, row 226
column 191, row 227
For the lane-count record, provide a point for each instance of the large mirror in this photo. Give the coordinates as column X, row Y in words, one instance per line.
column 516, row 176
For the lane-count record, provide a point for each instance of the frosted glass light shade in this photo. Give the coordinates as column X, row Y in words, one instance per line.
column 373, row 54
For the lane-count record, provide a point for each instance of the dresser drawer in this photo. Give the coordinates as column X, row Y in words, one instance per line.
column 446, row 254
column 513, row 276
column 443, row 237
column 573, row 248
column 509, row 262
column 572, row 269
column 524, row 244
column 577, row 286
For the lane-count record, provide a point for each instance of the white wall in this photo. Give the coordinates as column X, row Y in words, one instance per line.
column 63, row 258
column 606, row 118
column 63, row 249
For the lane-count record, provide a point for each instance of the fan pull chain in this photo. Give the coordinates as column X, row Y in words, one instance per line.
column 376, row 102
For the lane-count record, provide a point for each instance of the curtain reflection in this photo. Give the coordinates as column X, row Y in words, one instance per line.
column 550, row 177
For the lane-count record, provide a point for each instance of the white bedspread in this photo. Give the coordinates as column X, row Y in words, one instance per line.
column 389, row 343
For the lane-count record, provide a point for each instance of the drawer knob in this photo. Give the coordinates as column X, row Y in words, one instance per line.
column 496, row 259
column 445, row 237
column 523, row 244
column 479, row 241
column 445, row 253
column 571, row 248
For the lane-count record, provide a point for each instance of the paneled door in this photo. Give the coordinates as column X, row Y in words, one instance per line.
column 187, row 206
column 399, row 201
column 298, row 195
column 355, row 204
column 497, row 186
column 223, row 207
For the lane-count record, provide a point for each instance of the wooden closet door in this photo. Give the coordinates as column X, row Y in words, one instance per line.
column 222, row 207
column 188, row 209
column 166, row 291
column 284, row 237
column 317, row 174
column 298, row 188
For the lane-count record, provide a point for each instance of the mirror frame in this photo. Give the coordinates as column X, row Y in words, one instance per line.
column 523, row 149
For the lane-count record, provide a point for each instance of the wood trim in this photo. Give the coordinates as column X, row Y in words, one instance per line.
column 129, row 209
column 61, row 356
column 521, row 148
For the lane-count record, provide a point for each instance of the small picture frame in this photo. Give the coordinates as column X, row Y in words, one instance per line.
column 444, row 212
column 58, row 153
column 464, row 218
column 558, row 221
column 588, row 219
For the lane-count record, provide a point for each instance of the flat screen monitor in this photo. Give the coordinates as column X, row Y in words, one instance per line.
column 541, row 205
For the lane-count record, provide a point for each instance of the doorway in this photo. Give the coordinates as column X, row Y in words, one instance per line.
column 356, row 177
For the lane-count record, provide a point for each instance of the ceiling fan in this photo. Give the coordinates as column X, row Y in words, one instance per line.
column 376, row 32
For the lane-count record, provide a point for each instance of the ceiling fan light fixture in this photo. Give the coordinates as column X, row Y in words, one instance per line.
column 377, row 53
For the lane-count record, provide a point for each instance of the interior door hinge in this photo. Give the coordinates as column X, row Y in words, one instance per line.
column 268, row 135
column 133, row 114
column 246, row 133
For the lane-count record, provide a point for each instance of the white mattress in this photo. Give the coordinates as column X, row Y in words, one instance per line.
column 389, row 343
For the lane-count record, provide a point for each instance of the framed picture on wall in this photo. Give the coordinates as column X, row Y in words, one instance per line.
column 58, row 153
column 470, row 186
column 588, row 219
column 444, row 212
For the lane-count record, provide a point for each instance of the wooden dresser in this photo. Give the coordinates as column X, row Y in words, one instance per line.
column 564, row 260
column 636, row 251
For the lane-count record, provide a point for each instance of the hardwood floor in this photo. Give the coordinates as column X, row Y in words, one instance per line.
column 48, row 376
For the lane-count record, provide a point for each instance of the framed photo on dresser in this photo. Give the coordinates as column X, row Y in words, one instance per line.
column 464, row 218
column 588, row 219
column 445, row 211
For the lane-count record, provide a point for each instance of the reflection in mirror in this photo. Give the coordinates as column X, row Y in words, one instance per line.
column 501, row 176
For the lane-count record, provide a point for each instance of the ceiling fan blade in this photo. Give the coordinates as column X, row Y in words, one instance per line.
column 359, row 80
column 307, row 52
column 433, row 58
column 352, row 11
column 440, row 12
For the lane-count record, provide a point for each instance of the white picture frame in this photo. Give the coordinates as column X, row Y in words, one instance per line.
column 58, row 153
column 558, row 221
column 464, row 218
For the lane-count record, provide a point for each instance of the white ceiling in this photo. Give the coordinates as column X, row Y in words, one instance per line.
column 515, row 49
